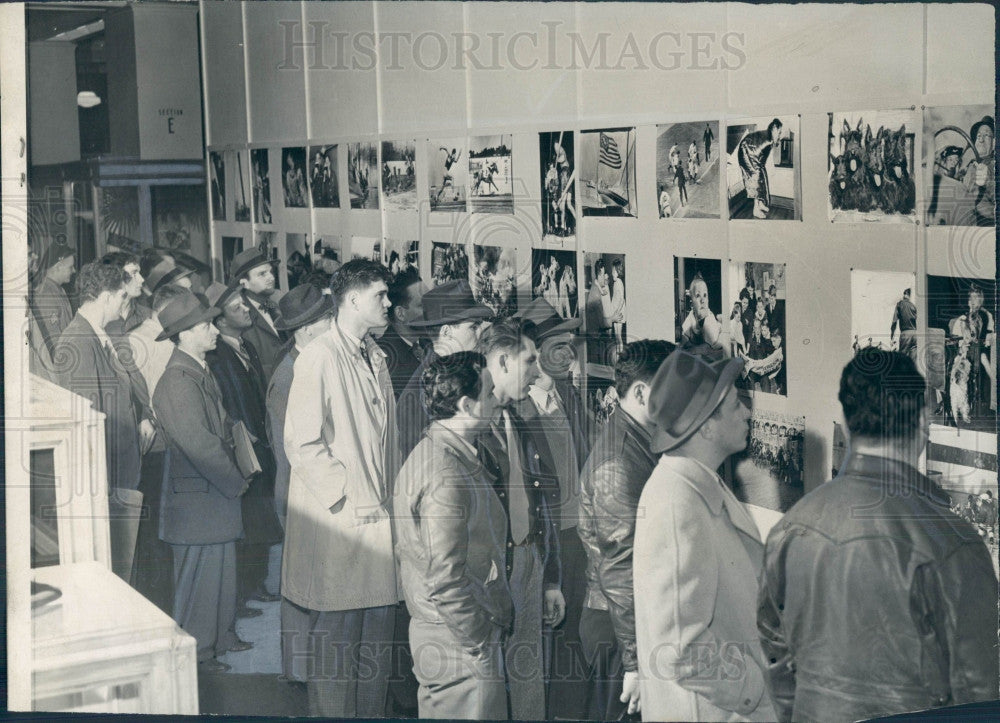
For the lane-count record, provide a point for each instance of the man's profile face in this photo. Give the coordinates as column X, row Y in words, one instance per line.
column 373, row 304
column 260, row 280
column 237, row 313
column 520, row 372
column 62, row 271
column 414, row 308
column 730, row 424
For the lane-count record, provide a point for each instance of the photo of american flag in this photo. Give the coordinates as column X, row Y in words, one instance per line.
column 609, row 152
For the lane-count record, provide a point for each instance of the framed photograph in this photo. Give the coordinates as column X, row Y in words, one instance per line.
column 399, row 180
column 238, row 163
column 267, row 243
column 494, row 279
column 447, row 174
column 261, row 186
column 323, row 178
column 362, row 175
column 607, row 172
column 763, row 179
column 293, row 177
column 298, row 260
column 601, row 398
column 449, row 262
column 959, row 166
column 698, row 319
column 606, row 315
column 884, row 311
column 755, row 326
column 558, row 171
column 553, row 277
column 687, row 169
column 217, row 178
column 769, row 472
column 491, row 174
column 398, row 256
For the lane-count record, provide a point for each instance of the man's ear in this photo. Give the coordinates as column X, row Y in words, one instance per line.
column 398, row 312
column 243, row 282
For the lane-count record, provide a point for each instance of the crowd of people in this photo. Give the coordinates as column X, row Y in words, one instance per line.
column 460, row 540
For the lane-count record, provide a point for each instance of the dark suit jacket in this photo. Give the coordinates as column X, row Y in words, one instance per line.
column 269, row 345
column 402, row 359
column 411, row 417
column 200, row 503
column 776, row 317
column 84, row 366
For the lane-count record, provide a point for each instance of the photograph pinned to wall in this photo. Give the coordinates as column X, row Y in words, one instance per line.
column 494, row 279
column 491, row 174
column 606, row 168
column 558, row 169
column 399, row 178
column 698, row 321
column 293, row 177
column 236, row 162
column 323, row 180
column 261, row 185
column 328, row 253
column 769, row 472
column 217, row 177
column 755, row 325
column 362, row 175
column 606, row 315
column 961, row 355
column 959, row 166
column 449, row 262
column 298, row 260
column 399, row 256
column 870, row 165
column 231, row 246
column 553, row 277
column 366, row 247
column 267, row 243
column 884, row 311
column 687, row 169
column 180, row 219
column 763, row 179
column 601, row 397
column 447, row 174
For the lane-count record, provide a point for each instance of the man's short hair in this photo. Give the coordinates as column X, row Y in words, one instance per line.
column 167, row 293
column 448, row 379
column 399, row 289
column 96, row 277
column 357, row 274
column 639, row 361
column 882, row 395
column 507, row 335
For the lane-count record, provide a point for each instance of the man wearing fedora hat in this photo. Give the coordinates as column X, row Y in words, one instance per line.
column 306, row 312
column 454, row 320
column 698, row 554
column 980, row 174
column 200, row 514
column 166, row 271
column 254, row 272
column 51, row 304
column 240, row 377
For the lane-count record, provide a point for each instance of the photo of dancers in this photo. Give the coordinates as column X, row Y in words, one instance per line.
column 558, row 182
column 884, row 311
column 606, row 168
column 962, row 362
column 697, row 295
column 687, row 173
column 261, row 186
column 293, row 177
column 606, row 313
column 399, row 180
column 769, row 472
column 217, row 174
column 960, row 166
column 490, row 170
column 756, row 326
column 447, row 174
column 362, row 175
column 449, row 262
column 870, row 166
column 553, row 277
column 494, row 279
column 762, row 174
column 236, row 160
column 398, row 256
column 323, row 182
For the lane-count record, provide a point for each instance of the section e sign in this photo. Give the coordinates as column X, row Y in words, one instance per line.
column 170, row 115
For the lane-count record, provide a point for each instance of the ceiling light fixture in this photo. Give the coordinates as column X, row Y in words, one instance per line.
column 87, row 99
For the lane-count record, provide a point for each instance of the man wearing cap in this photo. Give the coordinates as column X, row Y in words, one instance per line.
column 200, row 516
column 341, row 442
column 254, row 272
column 238, row 372
column 166, row 271
column 401, row 342
column 610, row 484
column 306, row 312
column 876, row 599
column 51, row 303
column 454, row 320
column 553, row 406
column 698, row 555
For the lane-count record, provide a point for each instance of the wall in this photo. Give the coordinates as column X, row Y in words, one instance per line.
column 722, row 61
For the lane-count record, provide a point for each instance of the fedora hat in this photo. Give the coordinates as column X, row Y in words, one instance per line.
column 303, row 305
column 246, row 261
column 450, row 303
column 165, row 272
column 182, row 313
column 986, row 120
column 684, row 392
column 218, row 295
column 543, row 321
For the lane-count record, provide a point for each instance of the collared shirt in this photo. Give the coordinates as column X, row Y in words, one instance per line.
column 262, row 311
column 201, row 362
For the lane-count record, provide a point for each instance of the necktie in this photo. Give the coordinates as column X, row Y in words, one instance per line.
column 367, row 358
column 517, row 495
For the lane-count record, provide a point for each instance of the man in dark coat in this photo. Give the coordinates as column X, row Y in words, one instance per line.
column 254, row 272
column 401, row 342
column 238, row 372
column 876, row 599
column 51, row 305
column 200, row 513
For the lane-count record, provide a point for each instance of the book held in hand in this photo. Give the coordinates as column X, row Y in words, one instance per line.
column 246, row 457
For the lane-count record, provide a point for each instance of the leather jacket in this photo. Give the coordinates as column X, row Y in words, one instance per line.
column 876, row 600
column 450, row 529
column 610, row 486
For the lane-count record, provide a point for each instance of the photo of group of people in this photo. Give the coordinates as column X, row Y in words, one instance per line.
column 769, row 472
column 960, row 166
column 606, row 315
column 323, row 181
column 961, row 341
column 762, row 174
column 884, row 311
column 293, row 177
column 449, row 262
column 697, row 297
column 553, row 277
column 607, row 172
column 687, row 170
column 447, row 174
column 399, row 256
column 259, row 165
column 491, row 175
column 871, row 166
column 399, row 179
column 556, row 161
column 362, row 175
column 494, row 279
column 756, row 326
